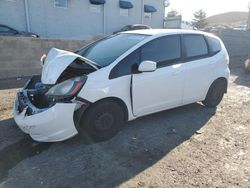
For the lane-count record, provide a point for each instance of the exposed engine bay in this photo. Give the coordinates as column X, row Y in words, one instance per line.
column 63, row 80
column 75, row 69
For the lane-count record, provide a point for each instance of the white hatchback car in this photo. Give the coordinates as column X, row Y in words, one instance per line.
column 120, row 78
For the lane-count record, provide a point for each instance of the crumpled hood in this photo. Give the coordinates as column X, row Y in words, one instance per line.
column 56, row 62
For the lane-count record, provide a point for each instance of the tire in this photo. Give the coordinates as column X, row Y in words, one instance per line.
column 102, row 121
column 215, row 93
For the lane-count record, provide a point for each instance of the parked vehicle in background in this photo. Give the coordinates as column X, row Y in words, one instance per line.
column 8, row 31
column 176, row 22
column 215, row 28
column 241, row 28
column 120, row 78
column 207, row 29
column 187, row 25
column 133, row 27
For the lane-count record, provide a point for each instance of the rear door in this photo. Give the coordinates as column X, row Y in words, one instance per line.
column 163, row 88
column 198, row 67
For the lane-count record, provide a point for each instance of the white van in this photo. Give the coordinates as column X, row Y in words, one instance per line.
column 120, row 78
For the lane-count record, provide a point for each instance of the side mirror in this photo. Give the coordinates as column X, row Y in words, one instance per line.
column 147, row 66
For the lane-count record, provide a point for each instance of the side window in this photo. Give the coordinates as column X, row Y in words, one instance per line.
column 126, row 66
column 140, row 27
column 4, row 29
column 195, row 46
column 163, row 51
column 214, row 45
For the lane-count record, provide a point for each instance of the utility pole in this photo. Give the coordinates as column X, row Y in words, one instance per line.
column 248, row 20
column 165, row 4
column 27, row 16
column 142, row 11
column 104, row 19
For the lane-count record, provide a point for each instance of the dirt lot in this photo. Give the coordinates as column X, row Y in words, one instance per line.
column 191, row 146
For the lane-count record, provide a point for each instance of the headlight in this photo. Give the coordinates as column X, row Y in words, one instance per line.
column 67, row 89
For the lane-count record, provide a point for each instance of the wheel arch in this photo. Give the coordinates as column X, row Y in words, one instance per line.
column 225, row 82
column 79, row 114
column 222, row 79
column 118, row 101
column 220, row 84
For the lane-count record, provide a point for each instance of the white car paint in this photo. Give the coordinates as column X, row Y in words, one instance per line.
column 52, row 125
column 165, row 88
column 196, row 89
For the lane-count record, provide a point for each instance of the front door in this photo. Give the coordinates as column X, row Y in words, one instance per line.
column 163, row 88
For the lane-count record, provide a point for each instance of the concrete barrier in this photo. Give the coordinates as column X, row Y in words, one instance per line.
column 236, row 42
column 21, row 56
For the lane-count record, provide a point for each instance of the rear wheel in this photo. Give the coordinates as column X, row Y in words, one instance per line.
column 215, row 93
column 102, row 121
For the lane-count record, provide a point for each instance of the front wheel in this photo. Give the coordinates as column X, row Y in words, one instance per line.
column 102, row 121
column 215, row 94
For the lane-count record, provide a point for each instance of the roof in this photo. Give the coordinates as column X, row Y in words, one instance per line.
column 164, row 32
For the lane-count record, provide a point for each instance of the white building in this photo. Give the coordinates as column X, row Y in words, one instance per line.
column 79, row 19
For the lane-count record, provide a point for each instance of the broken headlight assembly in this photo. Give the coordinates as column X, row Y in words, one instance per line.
column 67, row 89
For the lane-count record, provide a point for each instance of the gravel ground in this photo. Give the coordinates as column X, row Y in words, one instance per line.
column 191, row 146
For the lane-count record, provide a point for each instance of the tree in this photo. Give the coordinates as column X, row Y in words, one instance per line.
column 173, row 13
column 200, row 20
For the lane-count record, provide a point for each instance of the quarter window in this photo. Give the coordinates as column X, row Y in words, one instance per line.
column 163, row 50
column 195, row 46
column 126, row 66
column 214, row 45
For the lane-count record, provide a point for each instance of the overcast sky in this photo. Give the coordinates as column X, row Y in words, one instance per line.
column 211, row 7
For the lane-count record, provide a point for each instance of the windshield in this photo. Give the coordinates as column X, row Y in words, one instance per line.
column 106, row 51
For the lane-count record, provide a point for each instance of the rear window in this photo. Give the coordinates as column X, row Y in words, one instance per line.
column 214, row 45
column 195, row 46
column 140, row 27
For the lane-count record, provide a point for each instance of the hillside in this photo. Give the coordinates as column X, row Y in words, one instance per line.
column 229, row 18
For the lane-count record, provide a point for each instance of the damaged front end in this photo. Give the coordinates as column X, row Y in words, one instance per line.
column 64, row 74
column 32, row 98
column 37, row 97
column 45, row 107
column 60, row 65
